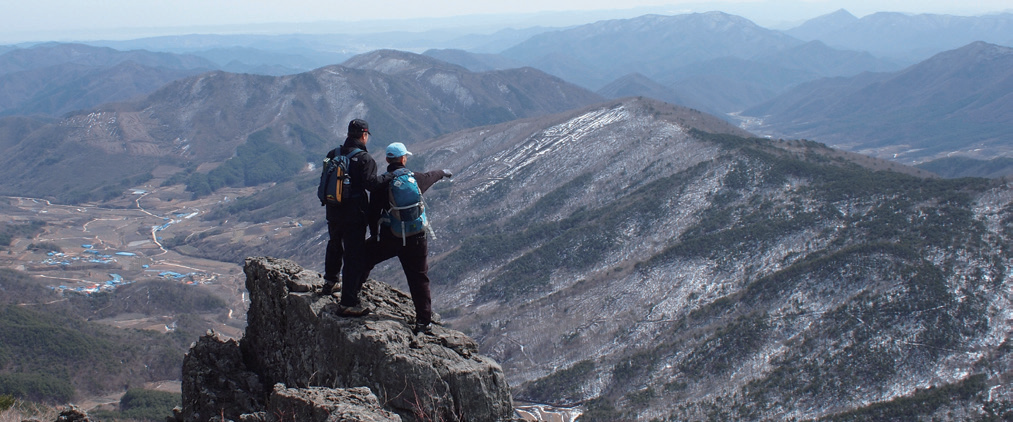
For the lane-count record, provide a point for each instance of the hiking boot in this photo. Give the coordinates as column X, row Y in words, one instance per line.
column 426, row 328
column 327, row 289
column 352, row 311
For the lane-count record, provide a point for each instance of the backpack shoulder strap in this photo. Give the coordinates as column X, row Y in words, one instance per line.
column 354, row 152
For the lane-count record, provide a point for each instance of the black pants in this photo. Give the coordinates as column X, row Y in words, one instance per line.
column 413, row 256
column 346, row 250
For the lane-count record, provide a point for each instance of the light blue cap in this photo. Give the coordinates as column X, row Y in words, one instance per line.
column 396, row 150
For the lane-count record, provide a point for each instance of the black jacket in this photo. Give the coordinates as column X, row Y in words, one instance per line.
column 362, row 172
column 378, row 199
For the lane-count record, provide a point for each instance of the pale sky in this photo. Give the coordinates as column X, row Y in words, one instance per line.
column 65, row 20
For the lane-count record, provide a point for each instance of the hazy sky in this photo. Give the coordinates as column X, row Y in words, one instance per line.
column 63, row 20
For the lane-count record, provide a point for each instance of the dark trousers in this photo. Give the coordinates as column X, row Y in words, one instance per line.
column 346, row 250
column 413, row 256
column 332, row 261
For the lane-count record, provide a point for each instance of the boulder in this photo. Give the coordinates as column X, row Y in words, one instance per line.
column 319, row 404
column 295, row 339
column 73, row 414
column 216, row 382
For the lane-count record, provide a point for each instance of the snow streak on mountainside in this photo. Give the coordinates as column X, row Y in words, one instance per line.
column 553, row 140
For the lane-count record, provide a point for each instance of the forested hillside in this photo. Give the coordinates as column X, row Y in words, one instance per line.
column 52, row 352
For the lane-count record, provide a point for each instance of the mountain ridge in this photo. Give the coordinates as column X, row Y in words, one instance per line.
column 956, row 101
column 53, row 79
column 674, row 39
column 41, row 56
column 815, row 28
column 81, row 87
column 671, row 270
column 205, row 118
column 720, row 63
column 908, row 37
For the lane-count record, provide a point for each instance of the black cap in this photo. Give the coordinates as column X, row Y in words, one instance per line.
column 357, row 127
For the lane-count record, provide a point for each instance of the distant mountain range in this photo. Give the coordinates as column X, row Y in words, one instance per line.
column 726, row 85
column 475, row 62
column 714, row 62
column 292, row 53
column 910, row 38
column 53, row 79
column 201, row 119
column 959, row 101
column 46, row 55
column 595, row 54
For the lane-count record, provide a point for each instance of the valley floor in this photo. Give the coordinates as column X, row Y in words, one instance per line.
column 87, row 249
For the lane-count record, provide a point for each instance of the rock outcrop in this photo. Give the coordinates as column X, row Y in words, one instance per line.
column 299, row 359
column 73, row 414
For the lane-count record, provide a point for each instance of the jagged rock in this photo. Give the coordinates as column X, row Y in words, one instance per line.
column 216, row 382
column 177, row 415
column 73, row 414
column 294, row 338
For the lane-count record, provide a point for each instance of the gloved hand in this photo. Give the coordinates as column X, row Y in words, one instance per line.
column 447, row 173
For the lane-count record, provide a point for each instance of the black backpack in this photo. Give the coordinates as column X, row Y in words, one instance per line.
column 334, row 178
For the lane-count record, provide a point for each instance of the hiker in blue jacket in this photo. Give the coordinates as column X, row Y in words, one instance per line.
column 396, row 237
column 346, row 223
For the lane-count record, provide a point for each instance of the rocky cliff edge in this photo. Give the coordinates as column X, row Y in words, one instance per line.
column 298, row 360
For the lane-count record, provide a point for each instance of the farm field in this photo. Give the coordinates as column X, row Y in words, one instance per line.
column 87, row 249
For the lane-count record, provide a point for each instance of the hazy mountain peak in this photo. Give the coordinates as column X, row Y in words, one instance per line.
column 702, row 20
column 637, row 78
column 594, row 55
column 969, row 56
column 718, row 16
column 841, row 14
column 886, row 15
column 833, row 20
column 983, row 49
column 475, row 62
column 820, row 26
column 394, row 62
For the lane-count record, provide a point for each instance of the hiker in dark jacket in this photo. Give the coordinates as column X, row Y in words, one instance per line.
column 346, row 223
column 411, row 250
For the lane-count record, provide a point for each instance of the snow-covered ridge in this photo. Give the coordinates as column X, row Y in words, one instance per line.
column 553, row 140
